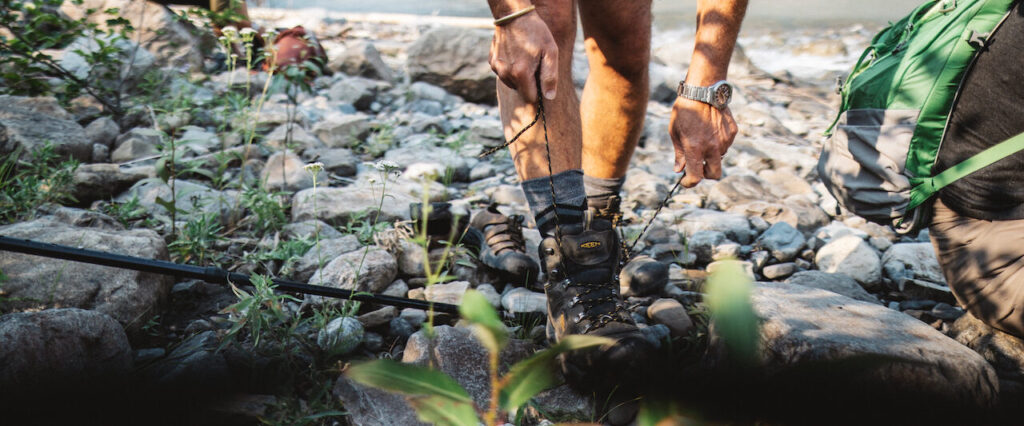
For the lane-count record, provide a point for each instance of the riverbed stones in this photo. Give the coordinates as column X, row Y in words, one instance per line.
column 450, row 293
column 735, row 226
column 882, row 350
column 103, row 181
column 522, row 300
column 914, row 268
column 455, row 59
column 373, row 407
column 672, row 314
column 130, row 297
column 782, row 240
column 340, row 336
column 339, row 206
column 28, row 124
column 317, row 257
column 852, row 256
column 836, row 283
column 339, row 130
column 372, row 270
column 360, row 58
column 285, row 171
column 56, row 350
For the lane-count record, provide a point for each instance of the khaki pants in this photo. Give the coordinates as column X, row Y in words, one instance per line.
column 983, row 262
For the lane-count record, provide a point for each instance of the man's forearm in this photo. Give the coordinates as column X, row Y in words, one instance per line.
column 718, row 25
column 502, row 8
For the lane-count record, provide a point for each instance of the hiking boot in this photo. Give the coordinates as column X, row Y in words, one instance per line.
column 641, row 275
column 504, row 247
column 581, row 263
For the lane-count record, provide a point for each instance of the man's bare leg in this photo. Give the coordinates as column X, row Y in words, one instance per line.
column 618, row 42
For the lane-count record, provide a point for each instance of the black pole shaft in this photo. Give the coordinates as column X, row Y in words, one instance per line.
column 208, row 274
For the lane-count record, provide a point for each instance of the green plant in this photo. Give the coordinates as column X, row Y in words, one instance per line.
column 439, row 399
column 728, row 300
column 196, row 239
column 26, row 185
column 34, row 28
column 381, row 139
column 286, row 253
column 125, row 212
column 260, row 312
column 363, row 227
column 268, row 208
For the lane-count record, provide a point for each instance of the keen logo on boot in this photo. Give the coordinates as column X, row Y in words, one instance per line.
column 591, row 244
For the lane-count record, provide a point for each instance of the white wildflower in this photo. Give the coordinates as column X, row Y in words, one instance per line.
column 247, row 31
column 28, row 6
column 229, row 30
column 314, row 168
column 385, row 165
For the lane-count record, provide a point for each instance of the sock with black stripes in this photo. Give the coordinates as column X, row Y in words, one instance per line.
column 599, row 190
column 568, row 193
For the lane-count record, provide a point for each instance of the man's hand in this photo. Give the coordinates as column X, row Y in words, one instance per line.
column 701, row 135
column 518, row 48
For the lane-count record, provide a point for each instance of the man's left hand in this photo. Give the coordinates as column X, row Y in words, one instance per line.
column 701, row 135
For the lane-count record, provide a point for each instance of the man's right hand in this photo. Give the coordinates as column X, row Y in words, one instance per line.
column 518, row 49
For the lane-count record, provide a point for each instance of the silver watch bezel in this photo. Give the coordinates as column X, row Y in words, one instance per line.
column 706, row 94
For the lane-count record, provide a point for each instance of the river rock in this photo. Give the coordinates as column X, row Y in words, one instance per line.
column 1004, row 351
column 883, row 352
column 358, row 91
column 135, row 144
column 104, row 181
column 915, row 269
column 375, row 269
column 340, row 336
column 339, row 161
column 373, row 407
column 299, row 139
column 702, row 243
column 195, row 363
column 329, row 250
column 782, row 240
column 338, row 206
column 61, row 349
column 738, row 189
column 644, row 188
column 853, row 257
column 455, row 59
column 102, row 131
column 672, row 314
column 29, row 124
column 285, row 171
column 172, row 42
column 130, row 297
column 447, row 158
column 128, row 64
column 779, row 270
column 450, row 293
column 522, row 300
column 458, row 354
column 836, row 283
column 338, row 130
column 735, row 226
column 193, row 199
column 360, row 58
column 310, row 230
column 642, row 277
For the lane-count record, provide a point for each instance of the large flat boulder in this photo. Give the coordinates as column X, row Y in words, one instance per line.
column 828, row 344
column 60, row 349
column 28, row 124
column 338, row 206
column 130, row 297
column 455, row 59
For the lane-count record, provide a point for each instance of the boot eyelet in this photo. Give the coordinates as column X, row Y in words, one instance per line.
column 549, row 251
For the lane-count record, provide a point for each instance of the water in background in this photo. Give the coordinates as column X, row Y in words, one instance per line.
column 669, row 14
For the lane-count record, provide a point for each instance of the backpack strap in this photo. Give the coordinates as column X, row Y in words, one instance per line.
column 927, row 187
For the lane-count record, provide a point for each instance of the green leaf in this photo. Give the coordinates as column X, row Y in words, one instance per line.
column 728, row 299
column 442, row 411
column 484, row 319
column 537, row 373
column 406, row 379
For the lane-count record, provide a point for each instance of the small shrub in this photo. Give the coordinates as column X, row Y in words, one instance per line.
column 196, row 239
column 26, row 185
column 268, row 209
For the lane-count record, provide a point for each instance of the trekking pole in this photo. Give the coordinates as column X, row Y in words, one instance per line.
column 211, row 274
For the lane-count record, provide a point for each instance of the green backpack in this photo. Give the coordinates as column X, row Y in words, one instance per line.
column 879, row 160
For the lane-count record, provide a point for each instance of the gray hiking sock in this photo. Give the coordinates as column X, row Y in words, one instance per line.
column 568, row 193
column 599, row 190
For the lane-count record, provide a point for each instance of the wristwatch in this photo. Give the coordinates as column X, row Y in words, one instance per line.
column 717, row 95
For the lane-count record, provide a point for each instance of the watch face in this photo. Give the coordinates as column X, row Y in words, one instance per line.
column 722, row 95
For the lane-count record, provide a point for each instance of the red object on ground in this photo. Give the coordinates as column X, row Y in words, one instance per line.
column 295, row 46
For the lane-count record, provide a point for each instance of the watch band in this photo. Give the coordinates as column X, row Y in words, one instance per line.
column 697, row 93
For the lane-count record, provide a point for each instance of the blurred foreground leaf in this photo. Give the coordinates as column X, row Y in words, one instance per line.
column 537, row 373
column 442, row 411
column 728, row 298
column 487, row 328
